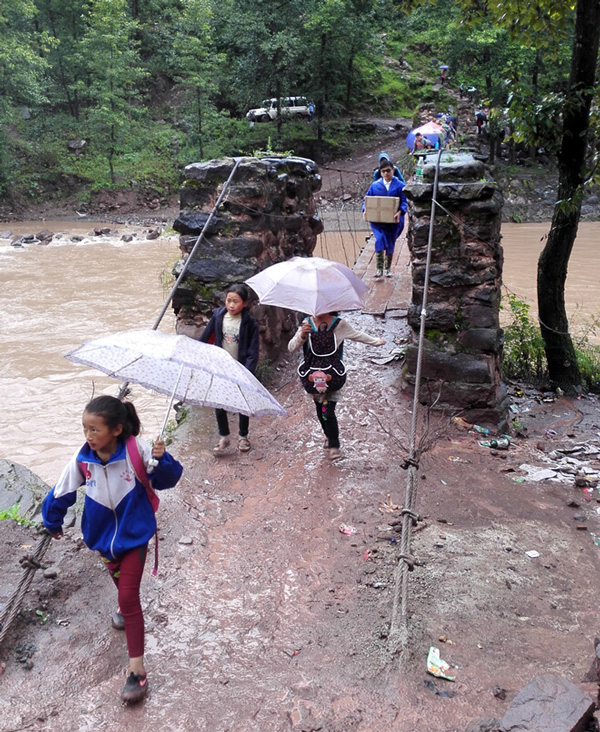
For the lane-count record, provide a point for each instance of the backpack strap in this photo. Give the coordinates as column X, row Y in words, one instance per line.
column 140, row 473
column 83, row 467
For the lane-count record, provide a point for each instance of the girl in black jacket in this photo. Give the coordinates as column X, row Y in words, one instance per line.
column 234, row 329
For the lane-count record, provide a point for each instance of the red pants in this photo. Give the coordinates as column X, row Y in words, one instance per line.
column 126, row 573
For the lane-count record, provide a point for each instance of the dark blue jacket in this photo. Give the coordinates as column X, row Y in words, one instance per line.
column 248, row 345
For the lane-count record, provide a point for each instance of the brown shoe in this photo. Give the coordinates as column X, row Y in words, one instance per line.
column 243, row 444
column 334, row 453
column 221, row 447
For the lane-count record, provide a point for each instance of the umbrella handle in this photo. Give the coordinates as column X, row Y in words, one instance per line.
column 153, row 462
column 162, row 429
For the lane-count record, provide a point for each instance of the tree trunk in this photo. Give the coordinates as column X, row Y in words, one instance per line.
column 279, row 118
column 199, row 107
column 554, row 259
column 534, row 95
column 349, row 78
column 321, row 97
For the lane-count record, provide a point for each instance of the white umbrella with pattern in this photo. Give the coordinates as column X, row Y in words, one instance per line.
column 186, row 369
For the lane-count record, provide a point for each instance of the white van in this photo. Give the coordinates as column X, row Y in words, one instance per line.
column 296, row 107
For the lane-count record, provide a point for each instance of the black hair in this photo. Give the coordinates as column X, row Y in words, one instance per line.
column 240, row 290
column 115, row 412
column 386, row 163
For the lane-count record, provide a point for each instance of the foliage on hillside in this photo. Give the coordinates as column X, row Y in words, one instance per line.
column 153, row 85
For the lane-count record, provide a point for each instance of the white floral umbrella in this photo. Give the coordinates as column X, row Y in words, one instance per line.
column 311, row 285
column 186, row 369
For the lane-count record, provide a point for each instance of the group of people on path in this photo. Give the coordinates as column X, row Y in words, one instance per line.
column 116, row 466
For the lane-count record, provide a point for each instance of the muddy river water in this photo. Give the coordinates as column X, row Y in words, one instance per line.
column 55, row 297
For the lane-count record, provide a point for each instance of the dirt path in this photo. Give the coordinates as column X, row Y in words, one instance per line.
column 265, row 617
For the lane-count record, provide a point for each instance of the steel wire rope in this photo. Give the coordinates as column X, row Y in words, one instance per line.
column 398, row 634
column 30, row 564
column 339, row 222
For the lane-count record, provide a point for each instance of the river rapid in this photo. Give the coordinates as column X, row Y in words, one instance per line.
column 55, row 297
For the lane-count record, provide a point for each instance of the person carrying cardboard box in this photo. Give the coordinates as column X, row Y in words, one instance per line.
column 386, row 225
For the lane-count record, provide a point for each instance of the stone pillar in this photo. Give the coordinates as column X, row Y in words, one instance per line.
column 267, row 216
column 463, row 339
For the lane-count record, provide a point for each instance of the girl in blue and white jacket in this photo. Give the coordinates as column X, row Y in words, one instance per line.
column 118, row 518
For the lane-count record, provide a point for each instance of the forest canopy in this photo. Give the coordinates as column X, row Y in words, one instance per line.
column 151, row 85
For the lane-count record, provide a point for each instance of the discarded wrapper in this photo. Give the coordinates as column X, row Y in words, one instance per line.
column 345, row 529
column 436, row 666
column 387, row 506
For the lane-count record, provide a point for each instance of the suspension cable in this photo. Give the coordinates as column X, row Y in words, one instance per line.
column 398, row 629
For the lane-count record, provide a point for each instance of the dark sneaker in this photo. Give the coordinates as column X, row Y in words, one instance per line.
column 135, row 688
column 117, row 621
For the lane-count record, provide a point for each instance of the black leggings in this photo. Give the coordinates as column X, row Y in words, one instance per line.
column 328, row 421
column 223, row 423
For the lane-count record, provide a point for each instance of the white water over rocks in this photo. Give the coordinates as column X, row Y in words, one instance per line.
column 52, row 299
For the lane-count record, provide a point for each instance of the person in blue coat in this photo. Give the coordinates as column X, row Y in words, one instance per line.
column 377, row 172
column 386, row 234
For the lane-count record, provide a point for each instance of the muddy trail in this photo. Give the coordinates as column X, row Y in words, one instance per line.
column 266, row 617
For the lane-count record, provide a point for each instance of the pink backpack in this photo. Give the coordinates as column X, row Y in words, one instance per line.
column 140, row 473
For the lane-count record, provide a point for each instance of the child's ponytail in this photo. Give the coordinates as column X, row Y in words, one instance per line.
column 115, row 412
column 133, row 420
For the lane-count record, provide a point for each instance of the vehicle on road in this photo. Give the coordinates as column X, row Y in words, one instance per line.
column 294, row 107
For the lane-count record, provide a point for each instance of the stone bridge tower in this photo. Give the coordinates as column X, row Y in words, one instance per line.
column 463, row 339
column 267, row 215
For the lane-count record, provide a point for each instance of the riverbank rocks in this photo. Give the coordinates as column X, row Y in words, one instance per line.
column 267, row 215
column 549, row 703
column 21, row 488
column 463, row 340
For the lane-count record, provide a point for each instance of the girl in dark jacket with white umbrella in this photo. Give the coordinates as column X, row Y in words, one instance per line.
column 234, row 329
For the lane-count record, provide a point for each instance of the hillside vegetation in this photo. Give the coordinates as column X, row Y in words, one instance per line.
column 143, row 87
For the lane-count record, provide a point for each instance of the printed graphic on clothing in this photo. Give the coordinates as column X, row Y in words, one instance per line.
column 231, row 334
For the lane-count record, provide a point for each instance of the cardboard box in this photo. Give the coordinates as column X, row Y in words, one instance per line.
column 381, row 208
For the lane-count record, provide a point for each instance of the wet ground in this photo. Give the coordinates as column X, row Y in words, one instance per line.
column 265, row 617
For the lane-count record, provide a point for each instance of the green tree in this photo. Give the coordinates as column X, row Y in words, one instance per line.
column 554, row 259
column 545, row 26
column 336, row 34
column 196, row 61
column 113, row 75
column 266, row 59
column 22, row 72
column 63, row 21
column 22, row 66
